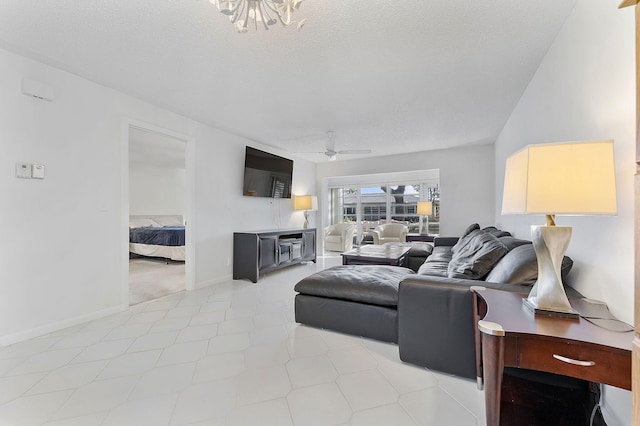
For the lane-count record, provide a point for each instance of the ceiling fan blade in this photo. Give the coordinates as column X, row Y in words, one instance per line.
column 331, row 144
column 307, row 152
column 354, row 151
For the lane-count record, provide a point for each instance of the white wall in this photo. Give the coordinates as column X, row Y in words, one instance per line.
column 584, row 90
column 157, row 190
column 222, row 209
column 49, row 278
column 466, row 181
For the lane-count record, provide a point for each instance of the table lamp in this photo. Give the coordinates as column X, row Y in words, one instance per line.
column 307, row 203
column 568, row 178
column 425, row 208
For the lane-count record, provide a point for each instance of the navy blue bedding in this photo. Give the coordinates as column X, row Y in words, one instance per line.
column 165, row 236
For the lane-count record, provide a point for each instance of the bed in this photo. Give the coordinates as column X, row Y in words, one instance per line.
column 157, row 236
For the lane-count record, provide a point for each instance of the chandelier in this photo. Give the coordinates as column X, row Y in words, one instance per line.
column 265, row 12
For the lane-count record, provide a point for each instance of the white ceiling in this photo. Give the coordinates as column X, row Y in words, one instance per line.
column 396, row 77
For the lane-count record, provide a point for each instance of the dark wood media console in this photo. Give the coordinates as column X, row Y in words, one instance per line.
column 256, row 253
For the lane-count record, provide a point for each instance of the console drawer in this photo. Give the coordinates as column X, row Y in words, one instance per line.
column 572, row 358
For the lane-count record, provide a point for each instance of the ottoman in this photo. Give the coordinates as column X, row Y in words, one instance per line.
column 355, row 299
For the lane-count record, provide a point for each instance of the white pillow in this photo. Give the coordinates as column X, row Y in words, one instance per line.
column 142, row 222
column 168, row 220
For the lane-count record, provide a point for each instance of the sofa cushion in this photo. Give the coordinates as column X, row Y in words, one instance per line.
column 440, row 254
column 419, row 249
column 496, row 232
column 512, row 242
column 445, row 241
column 438, row 269
column 464, row 241
column 333, row 239
column 520, row 267
column 372, row 284
column 416, row 248
column 477, row 257
column 470, row 228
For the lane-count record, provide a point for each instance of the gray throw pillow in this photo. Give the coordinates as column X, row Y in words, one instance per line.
column 520, row 267
column 513, row 242
column 496, row 232
column 477, row 257
column 470, row 228
column 464, row 241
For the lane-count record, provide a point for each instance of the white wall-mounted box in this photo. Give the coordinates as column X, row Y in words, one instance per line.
column 37, row 89
column 37, row 171
column 23, row 170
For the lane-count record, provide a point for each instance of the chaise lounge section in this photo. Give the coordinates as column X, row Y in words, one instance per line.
column 353, row 299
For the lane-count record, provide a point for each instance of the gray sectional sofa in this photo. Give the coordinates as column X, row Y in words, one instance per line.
column 429, row 312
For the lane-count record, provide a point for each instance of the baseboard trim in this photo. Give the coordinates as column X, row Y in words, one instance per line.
column 213, row 281
column 10, row 339
column 57, row 326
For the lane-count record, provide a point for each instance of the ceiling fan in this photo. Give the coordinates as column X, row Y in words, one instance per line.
column 331, row 151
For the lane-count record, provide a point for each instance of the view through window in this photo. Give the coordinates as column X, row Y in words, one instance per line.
column 371, row 205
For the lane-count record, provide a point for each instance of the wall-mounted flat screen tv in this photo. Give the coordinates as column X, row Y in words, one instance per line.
column 266, row 175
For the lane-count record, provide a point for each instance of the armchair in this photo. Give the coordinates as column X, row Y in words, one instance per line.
column 390, row 233
column 339, row 237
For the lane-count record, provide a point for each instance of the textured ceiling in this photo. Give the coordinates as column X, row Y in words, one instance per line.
column 394, row 77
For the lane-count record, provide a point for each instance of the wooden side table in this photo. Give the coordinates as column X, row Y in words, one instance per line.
column 510, row 335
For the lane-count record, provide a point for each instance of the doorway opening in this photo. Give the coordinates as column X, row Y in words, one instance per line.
column 159, row 194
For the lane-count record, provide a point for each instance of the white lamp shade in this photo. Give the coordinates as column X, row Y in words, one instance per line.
column 305, row 202
column 425, row 207
column 570, row 178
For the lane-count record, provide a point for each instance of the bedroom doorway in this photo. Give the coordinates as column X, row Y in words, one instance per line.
column 158, row 200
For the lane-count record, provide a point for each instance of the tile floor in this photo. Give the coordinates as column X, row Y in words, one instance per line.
column 151, row 278
column 224, row 355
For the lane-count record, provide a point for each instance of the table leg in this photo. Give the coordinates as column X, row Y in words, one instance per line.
column 493, row 366
column 479, row 311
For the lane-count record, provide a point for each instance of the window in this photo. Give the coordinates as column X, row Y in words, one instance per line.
column 278, row 186
column 372, row 204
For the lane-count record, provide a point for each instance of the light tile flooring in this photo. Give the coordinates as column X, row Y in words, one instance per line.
column 230, row 354
column 151, row 278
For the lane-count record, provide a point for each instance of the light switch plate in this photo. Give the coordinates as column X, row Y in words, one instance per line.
column 37, row 171
column 23, row 170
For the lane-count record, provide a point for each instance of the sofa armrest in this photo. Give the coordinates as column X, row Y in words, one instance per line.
column 376, row 237
column 445, row 241
column 435, row 322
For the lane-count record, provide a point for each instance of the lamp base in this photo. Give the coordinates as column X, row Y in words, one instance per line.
column 547, row 297
column 424, row 225
column 306, row 219
column 532, row 305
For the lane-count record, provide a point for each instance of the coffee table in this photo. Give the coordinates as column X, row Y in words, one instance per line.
column 385, row 254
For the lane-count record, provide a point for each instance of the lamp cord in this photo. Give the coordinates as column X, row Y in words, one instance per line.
column 597, row 405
